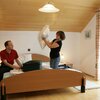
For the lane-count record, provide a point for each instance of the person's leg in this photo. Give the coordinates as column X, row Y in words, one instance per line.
column 4, row 69
column 1, row 76
column 51, row 63
column 54, row 62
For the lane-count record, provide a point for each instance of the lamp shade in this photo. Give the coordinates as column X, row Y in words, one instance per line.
column 49, row 8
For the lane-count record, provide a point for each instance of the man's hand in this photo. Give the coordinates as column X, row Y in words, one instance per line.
column 16, row 67
column 19, row 63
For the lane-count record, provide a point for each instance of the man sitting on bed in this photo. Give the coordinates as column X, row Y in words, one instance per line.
column 7, row 57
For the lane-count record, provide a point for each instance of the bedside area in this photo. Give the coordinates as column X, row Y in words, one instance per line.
column 65, row 65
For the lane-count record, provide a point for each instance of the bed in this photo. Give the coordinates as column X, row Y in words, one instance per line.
column 38, row 80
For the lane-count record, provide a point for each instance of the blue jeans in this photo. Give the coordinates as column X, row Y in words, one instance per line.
column 54, row 62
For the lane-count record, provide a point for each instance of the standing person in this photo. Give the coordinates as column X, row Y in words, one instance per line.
column 55, row 47
column 8, row 55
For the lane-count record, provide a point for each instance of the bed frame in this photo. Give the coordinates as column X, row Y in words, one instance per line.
column 42, row 79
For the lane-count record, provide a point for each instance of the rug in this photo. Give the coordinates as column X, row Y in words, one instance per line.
column 89, row 85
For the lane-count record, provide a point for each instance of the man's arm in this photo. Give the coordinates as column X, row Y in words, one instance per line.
column 10, row 65
column 18, row 62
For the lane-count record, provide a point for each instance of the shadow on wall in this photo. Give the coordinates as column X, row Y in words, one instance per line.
column 88, row 64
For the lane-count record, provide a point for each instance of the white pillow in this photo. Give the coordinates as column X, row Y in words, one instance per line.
column 25, row 57
column 46, row 65
column 43, row 33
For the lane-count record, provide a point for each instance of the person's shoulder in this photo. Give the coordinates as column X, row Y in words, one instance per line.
column 2, row 51
column 54, row 40
column 59, row 41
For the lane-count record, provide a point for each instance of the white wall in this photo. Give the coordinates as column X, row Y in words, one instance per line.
column 71, row 48
column 88, row 48
column 23, row 40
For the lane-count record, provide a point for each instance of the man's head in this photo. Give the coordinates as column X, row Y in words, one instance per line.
column 8, row 44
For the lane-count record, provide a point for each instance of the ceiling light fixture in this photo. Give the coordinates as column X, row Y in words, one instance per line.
column 49, row 8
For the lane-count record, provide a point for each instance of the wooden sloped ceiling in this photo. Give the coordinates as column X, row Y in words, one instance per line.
column 23, row 15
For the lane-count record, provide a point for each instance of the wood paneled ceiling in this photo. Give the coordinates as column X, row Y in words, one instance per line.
column 23, row 15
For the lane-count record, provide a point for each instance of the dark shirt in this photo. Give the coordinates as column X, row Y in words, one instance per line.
column 54, row 53
column 10, row 57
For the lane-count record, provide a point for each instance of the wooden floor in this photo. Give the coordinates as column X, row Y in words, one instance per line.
column 59, row 94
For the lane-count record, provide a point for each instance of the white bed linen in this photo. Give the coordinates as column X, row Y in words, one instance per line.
column 46, row 65
column 11, row 73
column 16, row 71
column 74, row 70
